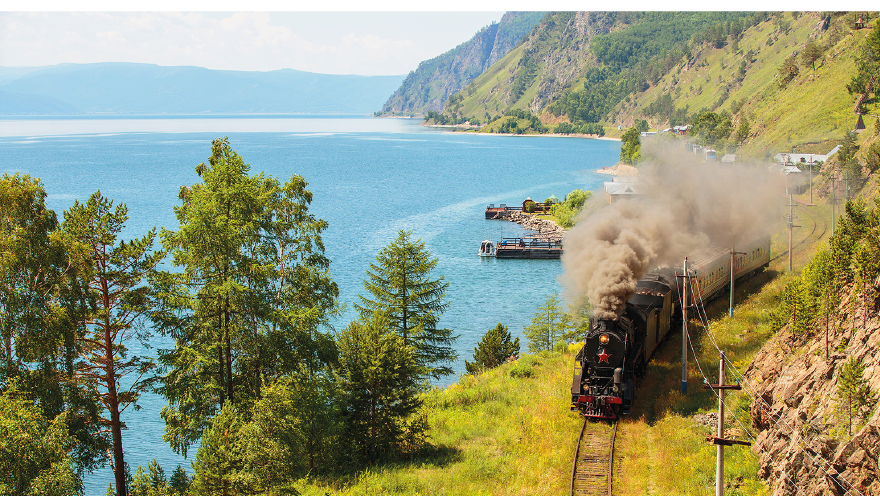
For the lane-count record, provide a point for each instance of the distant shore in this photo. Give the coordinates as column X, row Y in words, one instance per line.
column 462, row 127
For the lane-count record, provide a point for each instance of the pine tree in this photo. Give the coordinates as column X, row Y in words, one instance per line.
column 117, row 304
column 401, row 286
column 495, row 347
column 549, row 325
column 379, row 381
column 853, row 391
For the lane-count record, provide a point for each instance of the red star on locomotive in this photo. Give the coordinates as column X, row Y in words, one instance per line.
column 603, row 357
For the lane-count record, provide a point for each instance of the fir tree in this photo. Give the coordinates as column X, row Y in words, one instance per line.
column 381, row 391
column 401, row 287
column 495, row 347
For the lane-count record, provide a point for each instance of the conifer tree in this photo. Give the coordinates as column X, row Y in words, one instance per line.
column 495, row 347
column 378, row 377
column 401, row 286
column 40, row 302
column 549, row 325
column 117, row 303
column 853, row 392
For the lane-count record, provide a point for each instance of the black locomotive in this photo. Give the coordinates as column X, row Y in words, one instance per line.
column 616, row 352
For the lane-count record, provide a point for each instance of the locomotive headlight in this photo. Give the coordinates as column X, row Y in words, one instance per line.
column 603, row 339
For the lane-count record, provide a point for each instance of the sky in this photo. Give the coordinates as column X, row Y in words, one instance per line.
column 327, row 36
column 365, row 43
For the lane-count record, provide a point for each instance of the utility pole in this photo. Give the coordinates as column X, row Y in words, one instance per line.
column 685, row 302
column 811, row 179
column 719, row 440
column 833, row 201
column 733, row 253
column 791, row 227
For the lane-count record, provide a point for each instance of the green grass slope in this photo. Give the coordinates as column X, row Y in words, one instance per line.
column 743, row 78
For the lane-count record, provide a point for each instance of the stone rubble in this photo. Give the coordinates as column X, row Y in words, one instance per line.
column 534, row 223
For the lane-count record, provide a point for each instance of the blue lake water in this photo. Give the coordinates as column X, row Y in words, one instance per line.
column 370, row 178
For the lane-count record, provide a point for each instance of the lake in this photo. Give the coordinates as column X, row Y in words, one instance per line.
column 370, row 178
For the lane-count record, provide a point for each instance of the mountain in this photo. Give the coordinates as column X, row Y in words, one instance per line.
column 782, row 79
column 128, row 88
column 431, row 84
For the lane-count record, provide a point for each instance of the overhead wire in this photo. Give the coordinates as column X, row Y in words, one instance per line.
column 701, row 311
column 715, row 392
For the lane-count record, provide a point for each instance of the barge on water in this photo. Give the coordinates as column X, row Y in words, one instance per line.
column 530, row 247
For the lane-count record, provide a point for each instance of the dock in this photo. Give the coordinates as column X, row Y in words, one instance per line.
column 502, row 211
column 539, row 247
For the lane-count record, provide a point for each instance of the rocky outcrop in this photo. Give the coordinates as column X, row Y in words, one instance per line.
column 431, row 84
column 534, row 223
column 803, row 444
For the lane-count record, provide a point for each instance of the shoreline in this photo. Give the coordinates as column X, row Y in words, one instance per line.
column 618, row 170
column 453, row 128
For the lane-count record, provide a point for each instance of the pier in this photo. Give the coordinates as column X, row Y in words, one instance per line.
column 502, row 211
column 530, row 247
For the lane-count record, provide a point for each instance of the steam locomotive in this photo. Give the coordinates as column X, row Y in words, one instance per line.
column 616, row 352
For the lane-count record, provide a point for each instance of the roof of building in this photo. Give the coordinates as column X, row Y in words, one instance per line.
column 729, row 158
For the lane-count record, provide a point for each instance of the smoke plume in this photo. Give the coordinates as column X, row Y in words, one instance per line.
column 686, row 205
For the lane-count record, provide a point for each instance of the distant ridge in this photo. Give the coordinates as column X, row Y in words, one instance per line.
column 130, row 88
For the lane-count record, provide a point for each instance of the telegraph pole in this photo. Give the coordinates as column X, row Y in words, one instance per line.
column 833, row 201
column 733, row 253
column 719, row 461
column 684, row 318
column 719, row 439
column 811, row 179
column 791, row 227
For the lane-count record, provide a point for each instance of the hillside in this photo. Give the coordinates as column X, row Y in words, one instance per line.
column 743, row 78
column 431, row 84
column 785, row 73
column 127, row 88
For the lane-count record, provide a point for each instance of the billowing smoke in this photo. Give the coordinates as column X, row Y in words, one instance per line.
column 686, row 205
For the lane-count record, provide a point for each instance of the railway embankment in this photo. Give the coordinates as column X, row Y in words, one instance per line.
column 804, row 442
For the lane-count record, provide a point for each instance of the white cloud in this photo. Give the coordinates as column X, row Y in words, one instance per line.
column 342, row 42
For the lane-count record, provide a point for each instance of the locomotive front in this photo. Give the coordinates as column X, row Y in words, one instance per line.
column 601, row 386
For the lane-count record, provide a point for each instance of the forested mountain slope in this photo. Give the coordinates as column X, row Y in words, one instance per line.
column 619, row 50
column 776, row 81
column 431, row 84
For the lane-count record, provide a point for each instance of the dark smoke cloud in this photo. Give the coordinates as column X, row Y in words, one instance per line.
column 686, row 206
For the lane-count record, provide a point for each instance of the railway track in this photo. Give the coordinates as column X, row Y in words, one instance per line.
column 593, row 461
column 817, row 230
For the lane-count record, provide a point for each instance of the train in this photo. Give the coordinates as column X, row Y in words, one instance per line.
column 616, row 352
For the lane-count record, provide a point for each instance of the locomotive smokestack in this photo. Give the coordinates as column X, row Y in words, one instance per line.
column 686, row 205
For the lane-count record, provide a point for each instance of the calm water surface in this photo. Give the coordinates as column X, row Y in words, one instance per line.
column 370, row 178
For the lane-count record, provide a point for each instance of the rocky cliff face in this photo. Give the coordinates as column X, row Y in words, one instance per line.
column 431, row 84
column 803, row 443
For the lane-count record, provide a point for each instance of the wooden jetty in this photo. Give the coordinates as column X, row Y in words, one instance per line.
column 530, row 247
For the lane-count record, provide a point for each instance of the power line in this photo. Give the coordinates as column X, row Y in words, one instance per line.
column 765, row 408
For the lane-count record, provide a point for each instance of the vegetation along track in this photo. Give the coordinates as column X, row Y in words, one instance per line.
column 817, row 230
column 593, row 459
